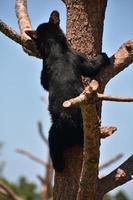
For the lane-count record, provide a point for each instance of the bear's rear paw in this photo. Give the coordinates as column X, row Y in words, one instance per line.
column 58, row 163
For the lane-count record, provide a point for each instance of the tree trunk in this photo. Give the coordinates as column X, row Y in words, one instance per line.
column 85, row 25
column 84, row 31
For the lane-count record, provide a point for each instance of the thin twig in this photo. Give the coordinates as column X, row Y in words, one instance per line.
column 114, row 98
column 31, row 156
column 110, row 162
column 41, row 132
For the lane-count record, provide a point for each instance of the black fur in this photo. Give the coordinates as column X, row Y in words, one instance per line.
column 61, row 76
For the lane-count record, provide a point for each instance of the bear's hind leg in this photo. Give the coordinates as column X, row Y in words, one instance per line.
column 56, row 149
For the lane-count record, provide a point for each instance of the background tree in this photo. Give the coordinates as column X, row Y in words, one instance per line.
column 22, row 190
column 119, row 196
column 88, row 29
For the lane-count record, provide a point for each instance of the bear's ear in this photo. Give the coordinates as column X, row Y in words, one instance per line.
column 55, row 18
column 32, row 34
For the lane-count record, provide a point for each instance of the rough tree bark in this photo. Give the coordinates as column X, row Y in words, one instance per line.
column 85, row 20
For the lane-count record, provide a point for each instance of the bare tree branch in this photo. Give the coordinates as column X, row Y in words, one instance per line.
column 111, row 161
column 119, row 61
column 23, row 21
column 10, row 32
column 24, row 24
column 31, row 156
column 10, row 192
column 28, row 44
column 83, row 96
column 116, row 178
column 23, row 17
column 123, row 57
column 114, row 98
column 41, row 133
column 2, row 192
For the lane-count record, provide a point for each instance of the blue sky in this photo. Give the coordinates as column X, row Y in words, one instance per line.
column 20, row 90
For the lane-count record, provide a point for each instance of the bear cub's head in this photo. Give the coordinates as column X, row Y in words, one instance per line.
column 49, row 36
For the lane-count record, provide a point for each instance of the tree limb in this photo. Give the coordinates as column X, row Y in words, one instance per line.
column 23, row 21
column 123, row 57
column 85, row 95
column 10, row 32
column 27, row 44
column 23, row 17
column 117, row 177
column 114, row 98
column 119, row 61
column 31, row 156
column 10, row 192
column 24, row 24
column 41, row 133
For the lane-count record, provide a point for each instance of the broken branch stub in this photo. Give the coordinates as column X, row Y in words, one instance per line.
column 84, row 96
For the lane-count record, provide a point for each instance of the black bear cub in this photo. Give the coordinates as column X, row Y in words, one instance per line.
column 61, row 76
